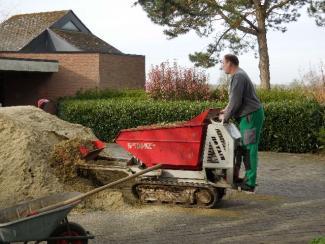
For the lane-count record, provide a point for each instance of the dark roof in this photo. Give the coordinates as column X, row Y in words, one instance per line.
column 19, row 30
column 86, row 42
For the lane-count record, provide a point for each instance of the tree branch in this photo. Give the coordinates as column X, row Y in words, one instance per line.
column 243, row 17
column 239, row 27
column 220, row 38
column 278, row 5
column 250, row 23
column 266, row 4
column 257, row 3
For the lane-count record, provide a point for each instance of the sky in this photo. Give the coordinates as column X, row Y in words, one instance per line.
column 129, row 29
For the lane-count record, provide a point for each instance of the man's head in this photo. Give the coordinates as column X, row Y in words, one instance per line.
column 230, row 63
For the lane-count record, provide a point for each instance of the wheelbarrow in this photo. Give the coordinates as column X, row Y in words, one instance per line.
column 45, row 219
column 51, row 226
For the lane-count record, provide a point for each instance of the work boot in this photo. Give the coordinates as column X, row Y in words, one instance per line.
column 239, row 181
column 247, row 188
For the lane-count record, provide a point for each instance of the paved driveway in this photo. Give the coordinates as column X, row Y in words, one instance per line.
column 289, row 207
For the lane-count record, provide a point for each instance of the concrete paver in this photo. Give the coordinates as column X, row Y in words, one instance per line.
column 289, row 207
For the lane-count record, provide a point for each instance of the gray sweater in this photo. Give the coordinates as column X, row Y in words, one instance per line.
column 242, row 96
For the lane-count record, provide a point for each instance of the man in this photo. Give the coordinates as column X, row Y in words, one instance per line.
column 245, row 107
column 42, row 103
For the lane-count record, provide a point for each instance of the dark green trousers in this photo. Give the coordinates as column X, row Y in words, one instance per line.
column 250, row 130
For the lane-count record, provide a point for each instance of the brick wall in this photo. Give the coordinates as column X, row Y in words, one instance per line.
column 122, row 71
column 76, row 71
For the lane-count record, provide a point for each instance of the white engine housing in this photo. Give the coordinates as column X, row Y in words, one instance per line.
column 219, row 149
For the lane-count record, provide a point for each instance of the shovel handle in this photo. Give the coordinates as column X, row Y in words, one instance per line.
column 94, row 191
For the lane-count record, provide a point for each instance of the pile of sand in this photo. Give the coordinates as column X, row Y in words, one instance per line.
column 28, row 138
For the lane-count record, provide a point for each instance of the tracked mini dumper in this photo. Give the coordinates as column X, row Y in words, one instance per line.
column 197, row 157
column 190, row 163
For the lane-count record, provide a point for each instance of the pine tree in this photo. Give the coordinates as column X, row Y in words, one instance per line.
column 236, row 24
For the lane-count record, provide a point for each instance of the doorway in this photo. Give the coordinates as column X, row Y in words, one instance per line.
column 2, row 91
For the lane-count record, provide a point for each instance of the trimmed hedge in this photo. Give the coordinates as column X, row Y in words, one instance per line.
column 320, row 240
column 321, row 135
column 282, row 94
column 109, row 93
column 107, row 117
column 220, row 94
column 290, row 126
column 266, row 96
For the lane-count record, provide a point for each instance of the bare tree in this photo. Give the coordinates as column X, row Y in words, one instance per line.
column 313, row 80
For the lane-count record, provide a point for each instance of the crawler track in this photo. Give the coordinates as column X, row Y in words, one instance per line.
column 186, row 194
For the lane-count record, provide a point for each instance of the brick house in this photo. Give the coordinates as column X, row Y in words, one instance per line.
column 53, row 54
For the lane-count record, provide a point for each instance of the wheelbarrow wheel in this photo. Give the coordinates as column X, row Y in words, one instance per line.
column 73, row 230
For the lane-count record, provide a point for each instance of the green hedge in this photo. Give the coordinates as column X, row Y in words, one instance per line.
column 282, row 94
column 266, row 96
column 220, row 94
column 321, row 135
column 320, row 240
column 108, row 116
column 110, row 93
column 290, row 126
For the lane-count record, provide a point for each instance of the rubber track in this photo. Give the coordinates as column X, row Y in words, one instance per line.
column 213, row 191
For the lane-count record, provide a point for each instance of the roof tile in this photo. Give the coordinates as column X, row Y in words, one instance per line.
column 19, row 30
column 86, row 42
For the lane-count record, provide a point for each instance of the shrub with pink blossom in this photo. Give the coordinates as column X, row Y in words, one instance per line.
column 173, row 82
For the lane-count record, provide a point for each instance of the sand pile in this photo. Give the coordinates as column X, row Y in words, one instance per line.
column 28, row 139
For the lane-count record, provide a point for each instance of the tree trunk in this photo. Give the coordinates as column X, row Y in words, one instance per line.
column 264, row 61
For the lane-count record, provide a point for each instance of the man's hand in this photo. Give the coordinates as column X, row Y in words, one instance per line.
column 222, row 115
column 221, row 118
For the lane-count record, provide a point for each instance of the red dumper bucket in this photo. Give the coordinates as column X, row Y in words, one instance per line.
column 90, row 154
column 176, row 146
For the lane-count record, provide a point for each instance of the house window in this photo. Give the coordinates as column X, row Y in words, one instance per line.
column 70, row 26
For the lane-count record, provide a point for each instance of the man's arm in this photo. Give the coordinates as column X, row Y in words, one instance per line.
column 235, row 97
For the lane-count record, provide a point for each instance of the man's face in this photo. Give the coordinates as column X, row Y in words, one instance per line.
column 226, row 65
